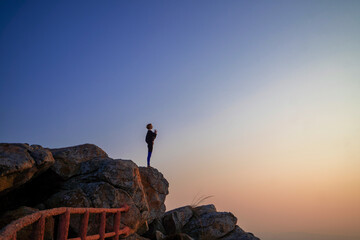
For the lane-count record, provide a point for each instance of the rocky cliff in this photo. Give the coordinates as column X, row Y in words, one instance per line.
column 34, row 178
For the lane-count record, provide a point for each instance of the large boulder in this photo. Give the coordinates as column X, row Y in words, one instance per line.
column 68, row 159
column 156, row 188
column 19, row 163
column 207, row 224
column 176, row 219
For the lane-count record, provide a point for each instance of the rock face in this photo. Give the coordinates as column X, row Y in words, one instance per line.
column 84, row 176
column 68, row 159
column 156, row 188
column 19, row 163
column 105, row 183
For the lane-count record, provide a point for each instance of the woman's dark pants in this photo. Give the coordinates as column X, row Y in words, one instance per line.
column 150, row 149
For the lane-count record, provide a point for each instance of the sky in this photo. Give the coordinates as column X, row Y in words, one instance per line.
column 256, row 103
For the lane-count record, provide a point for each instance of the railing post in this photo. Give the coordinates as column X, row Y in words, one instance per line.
column 39, row 228
column 117, row 218
column 63, row 229
column 102, row 226
column 84, row 225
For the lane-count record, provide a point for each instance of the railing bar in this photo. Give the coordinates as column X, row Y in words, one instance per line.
column 39, row 228
column 84, row 225
column 110, row 234
column 125, row 230
column 93, row 237
column 97, row 236
column 102, row 225
column 117, row 218
column 63, row 228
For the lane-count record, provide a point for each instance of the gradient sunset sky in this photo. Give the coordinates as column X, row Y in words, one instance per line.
column 257, row 103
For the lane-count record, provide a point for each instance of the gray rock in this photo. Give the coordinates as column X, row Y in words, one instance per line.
column 68, row 159
column 19, row 163
column 156, row 188
column 176, row 219
column 68, row 198
column 211, row 225
column 125, row 175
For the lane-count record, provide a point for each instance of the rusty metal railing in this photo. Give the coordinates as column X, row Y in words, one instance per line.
column 38, row 219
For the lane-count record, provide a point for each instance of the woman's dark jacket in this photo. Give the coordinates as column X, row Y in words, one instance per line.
column 150, row 137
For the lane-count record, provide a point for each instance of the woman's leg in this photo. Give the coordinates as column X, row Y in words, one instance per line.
column 150, row 149
column 148, row 158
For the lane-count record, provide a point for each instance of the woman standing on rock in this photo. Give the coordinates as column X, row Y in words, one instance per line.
column 150, row 137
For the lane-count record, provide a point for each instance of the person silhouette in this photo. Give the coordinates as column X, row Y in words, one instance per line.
column 150, row 137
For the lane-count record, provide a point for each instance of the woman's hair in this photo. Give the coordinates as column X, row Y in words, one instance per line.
column 149, row 126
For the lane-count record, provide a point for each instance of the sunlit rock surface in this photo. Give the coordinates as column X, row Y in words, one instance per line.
column 19, row 163
column 68, row 159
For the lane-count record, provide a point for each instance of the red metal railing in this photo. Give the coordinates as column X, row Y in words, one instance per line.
column 38, row 219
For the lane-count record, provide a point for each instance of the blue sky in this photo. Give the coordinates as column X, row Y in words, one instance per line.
column 88, row 69
column 248, row 92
